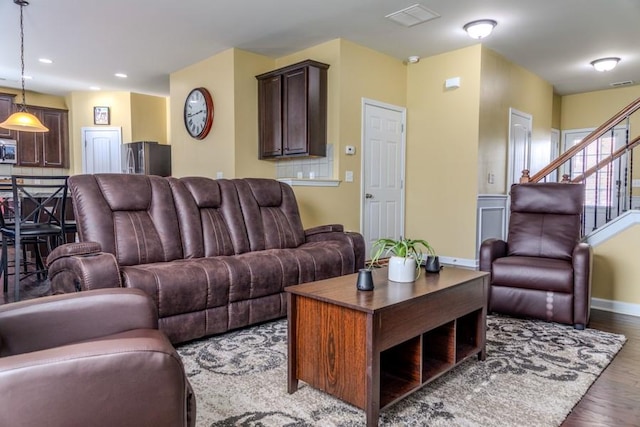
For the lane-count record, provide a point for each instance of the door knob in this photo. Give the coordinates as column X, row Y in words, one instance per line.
column 368, row 196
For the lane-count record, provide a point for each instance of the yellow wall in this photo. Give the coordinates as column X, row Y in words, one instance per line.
column 81, row 115
column 616, row 273
column 148, row 118
column 215, row 153
column 37, row 99
column 442, row 151
column 506, row 85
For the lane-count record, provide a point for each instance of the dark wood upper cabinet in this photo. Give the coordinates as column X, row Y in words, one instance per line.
column 45, row 149
column 292, row 111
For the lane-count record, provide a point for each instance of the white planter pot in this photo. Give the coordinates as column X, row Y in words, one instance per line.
column 402, row 269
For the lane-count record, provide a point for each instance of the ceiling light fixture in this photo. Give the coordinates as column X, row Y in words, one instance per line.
column 480, row 29
column 121, row 75
column 414, row 59
column 605, row 64
column 23, row 120
column 45, row 60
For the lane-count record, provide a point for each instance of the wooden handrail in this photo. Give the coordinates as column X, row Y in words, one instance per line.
column 604, row 128
column 610, row 158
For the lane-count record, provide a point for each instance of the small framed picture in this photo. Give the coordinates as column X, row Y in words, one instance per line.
column 101, row 116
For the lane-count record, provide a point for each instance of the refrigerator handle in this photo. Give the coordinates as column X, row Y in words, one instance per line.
column 131, row 161
column 141, row 166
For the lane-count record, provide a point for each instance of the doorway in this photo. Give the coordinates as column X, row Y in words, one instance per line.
column 520, row 126
column 383, row 171
column 101, row 150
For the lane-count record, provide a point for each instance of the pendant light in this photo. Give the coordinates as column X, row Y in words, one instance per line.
column 23, row 120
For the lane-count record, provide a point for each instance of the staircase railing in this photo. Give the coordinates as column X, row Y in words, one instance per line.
column 609, row 179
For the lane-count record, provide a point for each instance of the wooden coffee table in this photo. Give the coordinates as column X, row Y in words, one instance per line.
column 371, row 349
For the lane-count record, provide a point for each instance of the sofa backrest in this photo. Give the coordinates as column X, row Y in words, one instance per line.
column 211, row 222
column 545, row 219
column 270, row 213
column 131, row 216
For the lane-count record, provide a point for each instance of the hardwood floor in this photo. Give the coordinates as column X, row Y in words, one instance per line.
column 614, row 399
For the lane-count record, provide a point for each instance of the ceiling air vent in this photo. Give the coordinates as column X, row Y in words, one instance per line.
column 625, row 83
column 412, row 15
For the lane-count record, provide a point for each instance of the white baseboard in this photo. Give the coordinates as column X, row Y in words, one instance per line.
column 616, row 306
column 459, row 262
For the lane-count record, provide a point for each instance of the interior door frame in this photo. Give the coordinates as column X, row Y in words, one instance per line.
column 86, row 129
column 403, row 160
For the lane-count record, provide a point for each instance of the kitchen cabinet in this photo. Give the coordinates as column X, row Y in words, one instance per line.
column 6, row 108
column 45, row 149
column 292, row 111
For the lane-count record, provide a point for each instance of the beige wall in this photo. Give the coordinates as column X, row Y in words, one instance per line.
column 148, row 118
column 505, row 85
column 616, row 273
column 442, row 151
column 37, row 99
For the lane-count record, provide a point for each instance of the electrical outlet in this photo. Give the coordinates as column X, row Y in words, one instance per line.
column 219, row 175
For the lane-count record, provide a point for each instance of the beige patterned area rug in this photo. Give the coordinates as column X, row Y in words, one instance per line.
column 534, row 374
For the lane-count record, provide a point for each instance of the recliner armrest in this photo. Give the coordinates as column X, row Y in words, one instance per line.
column 57, row 320
column 134, row 378
column 82, row 266
column 336, row 232
column 582, row 261
column 490, row 250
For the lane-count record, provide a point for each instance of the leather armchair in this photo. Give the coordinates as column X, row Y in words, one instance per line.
column 543, row 270
column 94, row 358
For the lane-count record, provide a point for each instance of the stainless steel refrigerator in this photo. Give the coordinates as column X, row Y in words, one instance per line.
column 146, row 157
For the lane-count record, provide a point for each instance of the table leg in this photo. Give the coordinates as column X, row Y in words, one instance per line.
column 292, row 380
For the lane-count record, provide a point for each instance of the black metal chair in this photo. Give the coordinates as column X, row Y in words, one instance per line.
column 39, row 204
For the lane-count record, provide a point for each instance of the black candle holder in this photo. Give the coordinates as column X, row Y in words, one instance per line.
column 365, row 280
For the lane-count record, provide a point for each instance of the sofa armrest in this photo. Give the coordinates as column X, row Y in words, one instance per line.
column 582, row 261
column 325, row 233
column 131, row 378
column 82, row 266
column 490, row 250
column 56, row 320
column 323, row 229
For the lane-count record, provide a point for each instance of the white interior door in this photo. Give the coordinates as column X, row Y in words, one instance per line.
column 383, row 169
column 520, row 125
column 101, row 150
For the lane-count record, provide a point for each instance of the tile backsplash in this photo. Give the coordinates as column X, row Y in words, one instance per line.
column 8, row 170
column 307, row 168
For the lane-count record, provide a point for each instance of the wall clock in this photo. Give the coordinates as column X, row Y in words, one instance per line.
column 198, row 113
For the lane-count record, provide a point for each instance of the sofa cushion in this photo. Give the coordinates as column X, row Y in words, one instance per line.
column 271, row 214
column 137, row 226
column 211, row 222
column 532, row 273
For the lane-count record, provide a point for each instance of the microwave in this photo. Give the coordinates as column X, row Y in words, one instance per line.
column 8, row 151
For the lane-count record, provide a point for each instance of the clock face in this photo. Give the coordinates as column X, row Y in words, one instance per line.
column 198, row 113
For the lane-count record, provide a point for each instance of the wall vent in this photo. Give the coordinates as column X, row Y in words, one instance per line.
column 412, row 15
column 624, row 83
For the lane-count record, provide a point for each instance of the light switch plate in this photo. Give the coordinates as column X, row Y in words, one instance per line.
column 348, row 176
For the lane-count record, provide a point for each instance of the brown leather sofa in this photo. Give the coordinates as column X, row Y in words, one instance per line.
column 90, row 359
column 543, row 270
column 214, row 255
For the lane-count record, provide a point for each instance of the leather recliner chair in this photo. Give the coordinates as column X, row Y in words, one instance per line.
column 543, row 270
column 94, row 358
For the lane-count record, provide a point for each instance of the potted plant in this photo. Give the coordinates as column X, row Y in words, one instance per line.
column 406, row 257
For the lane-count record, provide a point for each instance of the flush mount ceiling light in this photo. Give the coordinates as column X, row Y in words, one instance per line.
column 605, row 64
column 480, row 29
column 23, row 120
column 413, row 59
